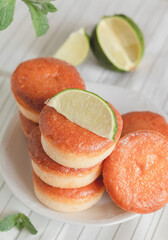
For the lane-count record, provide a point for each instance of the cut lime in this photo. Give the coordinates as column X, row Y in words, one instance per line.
column 118, row 43
column 75, row 49
column 86, row 109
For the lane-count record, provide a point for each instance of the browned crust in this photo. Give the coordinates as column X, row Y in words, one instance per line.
column 43, row 161
column 70, row 137
column 134, row 121
column 36, row 80
column 76, row 194
column 136, row 173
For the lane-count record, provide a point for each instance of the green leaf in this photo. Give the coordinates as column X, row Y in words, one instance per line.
column 27, row 224
column 8, row 222
column 44, row 7
column 49, row 7
column 39, row 19
column 6, row 13
column 19, row 223
column 4, row 3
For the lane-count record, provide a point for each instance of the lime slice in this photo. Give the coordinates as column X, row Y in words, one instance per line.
column 86, row 109
column 118, row 43
column 75, row 49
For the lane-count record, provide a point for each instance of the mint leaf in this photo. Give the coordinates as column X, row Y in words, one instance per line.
column 19, row 220
column 38, row 10
column 39, row 19
column 19, row 223
column 8, row 222
column 6, row 13
column 27, row 224
column 49, row 7
column 44, row 7
column 4, row 3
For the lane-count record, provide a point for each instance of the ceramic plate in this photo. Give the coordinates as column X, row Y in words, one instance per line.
column 16, row 167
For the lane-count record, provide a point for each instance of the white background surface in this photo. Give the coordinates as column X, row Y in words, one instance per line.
column 18, row 43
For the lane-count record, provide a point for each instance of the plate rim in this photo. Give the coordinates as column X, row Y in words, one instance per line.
column 109, row 221
column 26, row 202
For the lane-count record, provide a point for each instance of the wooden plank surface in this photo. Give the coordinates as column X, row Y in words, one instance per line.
column 18, row 43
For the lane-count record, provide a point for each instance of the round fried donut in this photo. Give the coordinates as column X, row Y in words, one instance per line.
column 134, row 121
column 71, row 145
column 55, row 174
column 36, row 80
column 136, row 173
column 68, row 200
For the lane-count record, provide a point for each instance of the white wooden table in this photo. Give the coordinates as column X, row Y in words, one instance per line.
column 18, row 43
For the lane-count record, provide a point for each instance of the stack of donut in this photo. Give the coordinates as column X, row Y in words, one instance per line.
column 67, row 162
column 66, row 158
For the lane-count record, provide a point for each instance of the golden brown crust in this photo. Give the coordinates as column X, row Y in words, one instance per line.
column 36, row 80
column 76, row 194
column 43, row 161
column 26, row 124
column 136, row 173
column 70, row 137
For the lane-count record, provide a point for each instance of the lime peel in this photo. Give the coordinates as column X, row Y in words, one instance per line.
column 118, row 43
column 75, row 49
column 86, row 109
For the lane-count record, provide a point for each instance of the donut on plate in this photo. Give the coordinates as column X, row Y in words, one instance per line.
column 136, row 173
column 71, row 145
column 70, row 199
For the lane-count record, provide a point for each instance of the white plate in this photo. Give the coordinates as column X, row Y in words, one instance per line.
column 16, row 168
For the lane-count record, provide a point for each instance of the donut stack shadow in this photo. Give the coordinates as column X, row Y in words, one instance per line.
column 67, row 162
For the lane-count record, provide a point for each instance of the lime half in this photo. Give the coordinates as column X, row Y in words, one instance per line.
column 75, row 49
column 118, row 43
column 86, row 109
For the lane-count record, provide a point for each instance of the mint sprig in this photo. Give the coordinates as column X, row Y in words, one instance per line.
column 19, row 220
column 27, row 224
column 8, row 222
column 7, row 8
column 38, row 10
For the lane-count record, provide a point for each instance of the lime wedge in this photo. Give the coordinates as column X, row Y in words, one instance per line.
column 86, row 109
column 118, row 43
column 75, row 49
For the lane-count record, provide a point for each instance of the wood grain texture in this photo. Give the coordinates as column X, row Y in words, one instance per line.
column 18, row 43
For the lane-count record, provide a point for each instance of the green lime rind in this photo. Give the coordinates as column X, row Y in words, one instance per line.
column 101, row 56
column 114, row 119
column 115, row 124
